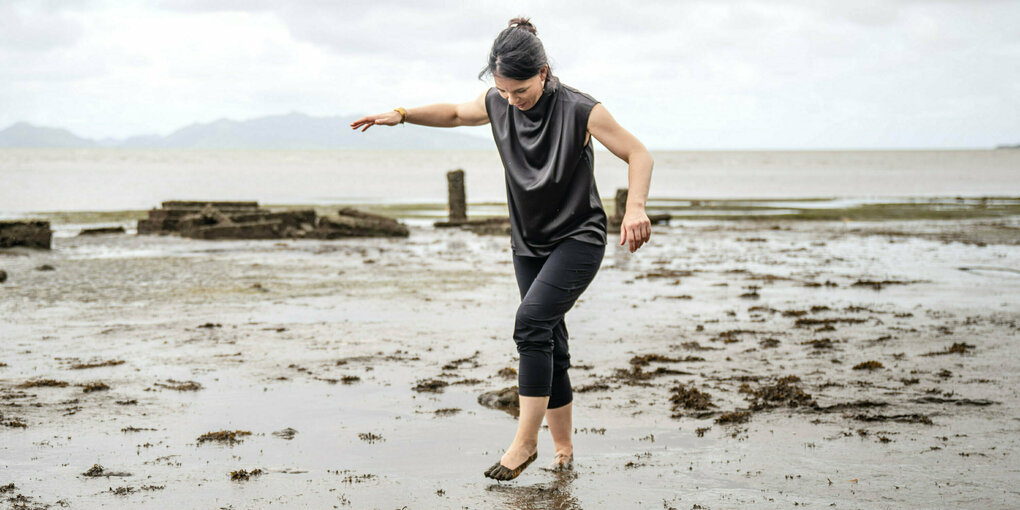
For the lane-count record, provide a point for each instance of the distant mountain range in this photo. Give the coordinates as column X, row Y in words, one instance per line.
column 290, row 131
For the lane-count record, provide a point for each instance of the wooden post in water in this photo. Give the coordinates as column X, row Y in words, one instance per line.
column 458, row 210
column 621, row 205
column 455, row 189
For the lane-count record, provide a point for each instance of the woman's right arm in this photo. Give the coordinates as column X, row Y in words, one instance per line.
column 472, row 113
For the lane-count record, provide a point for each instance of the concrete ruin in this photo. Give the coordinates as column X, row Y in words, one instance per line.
column 29, row 233
column 101, row 231
column 246, row 220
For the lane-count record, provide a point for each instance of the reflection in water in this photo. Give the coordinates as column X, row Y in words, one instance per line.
column 540, row 496
column 456, row 245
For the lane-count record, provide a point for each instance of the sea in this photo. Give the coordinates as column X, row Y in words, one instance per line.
column 34, row 181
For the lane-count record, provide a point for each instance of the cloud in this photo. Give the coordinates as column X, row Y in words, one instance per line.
column 31, row 27
column 783, row 73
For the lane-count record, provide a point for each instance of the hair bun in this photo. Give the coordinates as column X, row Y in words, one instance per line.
column 524, row 23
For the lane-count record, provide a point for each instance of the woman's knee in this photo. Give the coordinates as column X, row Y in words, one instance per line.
column 533, row 319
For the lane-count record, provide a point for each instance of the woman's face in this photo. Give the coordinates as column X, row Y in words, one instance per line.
column 521, row 93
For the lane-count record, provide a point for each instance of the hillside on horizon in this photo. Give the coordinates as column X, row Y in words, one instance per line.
column 287, row 131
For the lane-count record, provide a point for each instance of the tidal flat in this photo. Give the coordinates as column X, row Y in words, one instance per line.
column 727, row 364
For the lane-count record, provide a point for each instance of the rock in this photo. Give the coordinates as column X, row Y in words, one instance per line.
column 31, row 234
column 3, row 276
column 505, row 399
column 101, row 230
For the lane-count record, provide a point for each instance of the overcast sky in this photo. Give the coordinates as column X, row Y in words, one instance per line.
column 687, row 75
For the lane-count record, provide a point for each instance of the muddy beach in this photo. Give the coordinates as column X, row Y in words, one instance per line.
column 727, row 364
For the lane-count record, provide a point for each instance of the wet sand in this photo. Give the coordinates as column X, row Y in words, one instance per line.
column 727, row 364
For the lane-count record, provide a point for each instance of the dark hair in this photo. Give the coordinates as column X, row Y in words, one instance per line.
column 517, row 52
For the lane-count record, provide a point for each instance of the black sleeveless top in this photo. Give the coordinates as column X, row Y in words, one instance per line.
column 550, row 171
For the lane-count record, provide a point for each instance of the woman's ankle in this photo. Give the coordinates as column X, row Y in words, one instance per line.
column 526, row 444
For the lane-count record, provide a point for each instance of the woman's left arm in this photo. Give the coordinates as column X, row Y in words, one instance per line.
column 636, row 229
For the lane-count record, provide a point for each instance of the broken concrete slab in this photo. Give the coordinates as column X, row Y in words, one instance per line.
column 246, row 220
column 251, row 230
column 28, row 233
column 101, row 230
column 485, row 226
column 349, row 222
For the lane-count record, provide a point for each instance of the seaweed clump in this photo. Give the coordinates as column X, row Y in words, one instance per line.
column 786, row 392
column 869, row 365
column 956, row 348
column 225, row 436
column 241, row 474
column 172, row 384
column 430, row 386
column 690, row 398
column 95, row 386
column 646, row 359
column 733, row 418
column 43, row 383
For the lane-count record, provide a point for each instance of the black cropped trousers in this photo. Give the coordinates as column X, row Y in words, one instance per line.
column 549, row 287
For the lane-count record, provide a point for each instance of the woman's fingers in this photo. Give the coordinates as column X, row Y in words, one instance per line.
column 366, row 121
column 636, row 235
column 369, row 121
column 636, row 229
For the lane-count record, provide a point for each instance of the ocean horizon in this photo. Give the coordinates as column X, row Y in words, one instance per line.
column 412, row 183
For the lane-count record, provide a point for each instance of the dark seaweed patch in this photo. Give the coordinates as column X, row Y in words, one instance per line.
column 689, row 398
column 223, row 436
column 956, row 348
column 785, row 392
column 647, row 359
column 430, row 386
column 733, row 417
column 868, row 365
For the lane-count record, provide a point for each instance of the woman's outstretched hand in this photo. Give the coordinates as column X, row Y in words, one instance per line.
column 635, row 229
column 391, row 118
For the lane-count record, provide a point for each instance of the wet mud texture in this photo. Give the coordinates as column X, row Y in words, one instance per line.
column 763, row 364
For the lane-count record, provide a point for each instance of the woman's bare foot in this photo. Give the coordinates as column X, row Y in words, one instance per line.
column 564, row 459
column 516, row 458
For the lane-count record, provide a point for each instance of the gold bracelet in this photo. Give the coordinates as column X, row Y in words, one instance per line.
column 402, row 112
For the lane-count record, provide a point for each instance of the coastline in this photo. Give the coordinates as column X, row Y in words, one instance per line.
column 858, row 209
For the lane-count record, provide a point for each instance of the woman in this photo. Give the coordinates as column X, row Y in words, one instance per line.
column 558, row 229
